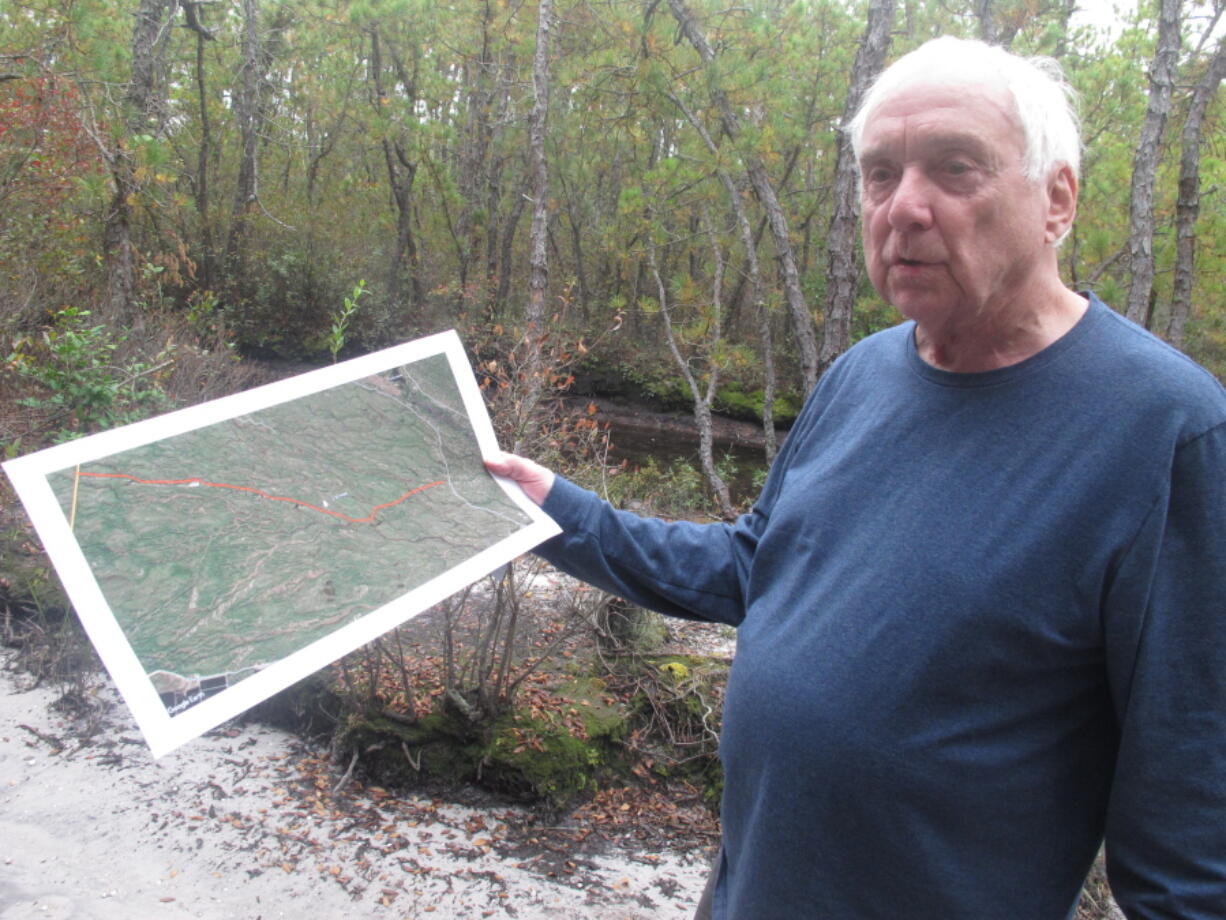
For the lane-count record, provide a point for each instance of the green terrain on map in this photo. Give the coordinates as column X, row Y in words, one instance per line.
column 251, row 538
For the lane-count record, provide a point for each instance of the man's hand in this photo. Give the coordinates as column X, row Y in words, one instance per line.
column 534, row 479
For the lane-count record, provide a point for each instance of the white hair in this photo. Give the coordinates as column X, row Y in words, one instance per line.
column 1043, row 100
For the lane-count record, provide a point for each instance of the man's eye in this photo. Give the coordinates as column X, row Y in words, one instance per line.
column 957, row 168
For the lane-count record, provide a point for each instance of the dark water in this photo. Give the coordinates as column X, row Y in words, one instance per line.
column 637, row 448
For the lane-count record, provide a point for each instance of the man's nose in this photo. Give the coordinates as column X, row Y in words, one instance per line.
column 911, row 202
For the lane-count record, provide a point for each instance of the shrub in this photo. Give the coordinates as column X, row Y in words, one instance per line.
column 74, row 362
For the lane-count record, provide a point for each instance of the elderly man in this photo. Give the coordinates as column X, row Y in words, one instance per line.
column 981, row 601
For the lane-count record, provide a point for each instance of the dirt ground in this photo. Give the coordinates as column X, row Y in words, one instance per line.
column 250, row 822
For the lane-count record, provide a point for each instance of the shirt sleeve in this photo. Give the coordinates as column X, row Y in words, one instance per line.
column 695, row 571
column 1165, row 624
column 679, row 568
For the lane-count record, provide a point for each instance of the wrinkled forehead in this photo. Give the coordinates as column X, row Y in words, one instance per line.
column 984, row 114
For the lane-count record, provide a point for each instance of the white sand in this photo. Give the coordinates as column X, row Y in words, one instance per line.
column 242, row 824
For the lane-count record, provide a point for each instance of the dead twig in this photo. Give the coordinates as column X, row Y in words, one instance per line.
column 353, row 762
column 51, row 740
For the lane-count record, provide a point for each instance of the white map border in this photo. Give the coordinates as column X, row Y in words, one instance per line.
column 163, row 732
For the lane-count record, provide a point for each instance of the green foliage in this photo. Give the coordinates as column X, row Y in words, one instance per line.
column 1207, row 340
column 675, row 489
column 204, row 309
column 441, row 144
column 73, row 362
column 341, row 319
column 285, row 302
column 871, row 315
column 734, row 401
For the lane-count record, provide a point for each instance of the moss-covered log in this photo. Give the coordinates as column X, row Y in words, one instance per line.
column 554, row 754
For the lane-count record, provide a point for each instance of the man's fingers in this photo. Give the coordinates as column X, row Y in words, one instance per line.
column 500, row 465
column 534, row 479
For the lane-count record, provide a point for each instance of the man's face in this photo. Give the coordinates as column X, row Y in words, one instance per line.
column 952, row 229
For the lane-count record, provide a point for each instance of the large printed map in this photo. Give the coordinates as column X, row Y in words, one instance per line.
column 227, row 548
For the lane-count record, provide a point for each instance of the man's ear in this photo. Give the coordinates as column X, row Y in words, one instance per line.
column 1061, row 204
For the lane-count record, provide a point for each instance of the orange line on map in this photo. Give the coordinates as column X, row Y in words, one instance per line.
column 195, row 480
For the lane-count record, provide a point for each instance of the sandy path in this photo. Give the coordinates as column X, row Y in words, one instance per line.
column 243, row 824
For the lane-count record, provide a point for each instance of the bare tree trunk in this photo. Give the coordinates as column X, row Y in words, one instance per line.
column 990, row 30
column 208, row 271
column 749, row 244
column 755, row 169
column 1187, row 208
column 478, row 138
column 246, row 117
column 842, row 241
column 1145, row 164
column 506, row 252
column 538, row 279
column 498, row 238
column 475, row 144
column 146, row 93
column 575, row 221
column 701, row 399
column 322, row 142
column 1067, row 8
column 246, row 114
column 704, row 401
column 770, row 382
column 146, row 114
column 401, row 172
column 984, row 14
column 117, row 242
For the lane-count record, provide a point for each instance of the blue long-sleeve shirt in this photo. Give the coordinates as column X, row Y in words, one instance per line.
column 982, row 623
